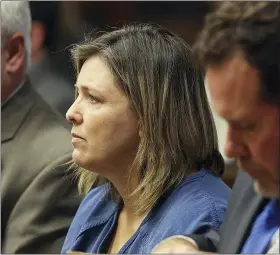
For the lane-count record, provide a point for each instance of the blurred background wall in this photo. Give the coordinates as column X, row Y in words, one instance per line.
column 74, row 19
column 67, row 22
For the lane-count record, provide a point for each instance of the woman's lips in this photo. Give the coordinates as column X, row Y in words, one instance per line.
column 76, row 138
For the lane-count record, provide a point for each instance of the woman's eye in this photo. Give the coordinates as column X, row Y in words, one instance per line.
column 93, row 99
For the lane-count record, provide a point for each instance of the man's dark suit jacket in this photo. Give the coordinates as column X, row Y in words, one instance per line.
column 243, row 208
column 38, row 196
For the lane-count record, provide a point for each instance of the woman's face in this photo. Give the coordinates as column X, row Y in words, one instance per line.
column 105, row 131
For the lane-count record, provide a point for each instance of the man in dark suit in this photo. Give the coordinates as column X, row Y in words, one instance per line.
column 38, row 196
column 239, row 48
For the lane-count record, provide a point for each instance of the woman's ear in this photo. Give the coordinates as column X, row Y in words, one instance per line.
column 140, row 129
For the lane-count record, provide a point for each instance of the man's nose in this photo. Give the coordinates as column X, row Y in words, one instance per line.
column 234, row 146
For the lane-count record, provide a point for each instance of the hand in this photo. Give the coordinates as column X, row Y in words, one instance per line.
column 177, row 244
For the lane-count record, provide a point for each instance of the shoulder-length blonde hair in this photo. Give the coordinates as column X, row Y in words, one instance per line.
column 154, row 68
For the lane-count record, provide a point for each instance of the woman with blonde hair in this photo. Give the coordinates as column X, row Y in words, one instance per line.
column 142, row 126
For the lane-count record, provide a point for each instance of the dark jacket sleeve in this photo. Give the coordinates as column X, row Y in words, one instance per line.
column 208, row 242
column 41, row 217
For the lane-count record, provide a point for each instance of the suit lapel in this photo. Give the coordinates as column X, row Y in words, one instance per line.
column 246, row 213
column 15, row 112
column 245, row 225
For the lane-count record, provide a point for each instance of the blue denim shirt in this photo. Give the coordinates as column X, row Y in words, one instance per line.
column 195, row 206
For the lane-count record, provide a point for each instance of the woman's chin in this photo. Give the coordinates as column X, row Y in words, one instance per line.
column 78, row 159
column 81, row 160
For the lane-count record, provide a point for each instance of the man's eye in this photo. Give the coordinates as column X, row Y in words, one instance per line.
column 248, row 127
column 244, row 126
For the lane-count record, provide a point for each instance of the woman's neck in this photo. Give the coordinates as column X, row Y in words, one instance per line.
column 125, row 186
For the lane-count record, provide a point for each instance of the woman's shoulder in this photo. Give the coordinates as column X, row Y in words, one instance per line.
column 200, row 196
column 195, row 206
column 203, row 184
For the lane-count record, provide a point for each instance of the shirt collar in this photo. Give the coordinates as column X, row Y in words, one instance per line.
column 13, row 93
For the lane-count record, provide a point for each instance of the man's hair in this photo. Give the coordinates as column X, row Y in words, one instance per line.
column 252, row 28
column 154, row 68
column 15, row 17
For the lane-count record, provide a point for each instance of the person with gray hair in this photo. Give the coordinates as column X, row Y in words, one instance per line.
column 15, row 32
column 38, row 198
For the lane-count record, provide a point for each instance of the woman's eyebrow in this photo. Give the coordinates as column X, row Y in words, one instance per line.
column 89, row 89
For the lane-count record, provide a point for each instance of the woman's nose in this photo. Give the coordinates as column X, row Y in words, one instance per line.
column 73, row 115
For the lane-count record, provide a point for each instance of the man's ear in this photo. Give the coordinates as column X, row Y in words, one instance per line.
column 15, row 53
column 38, row 36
